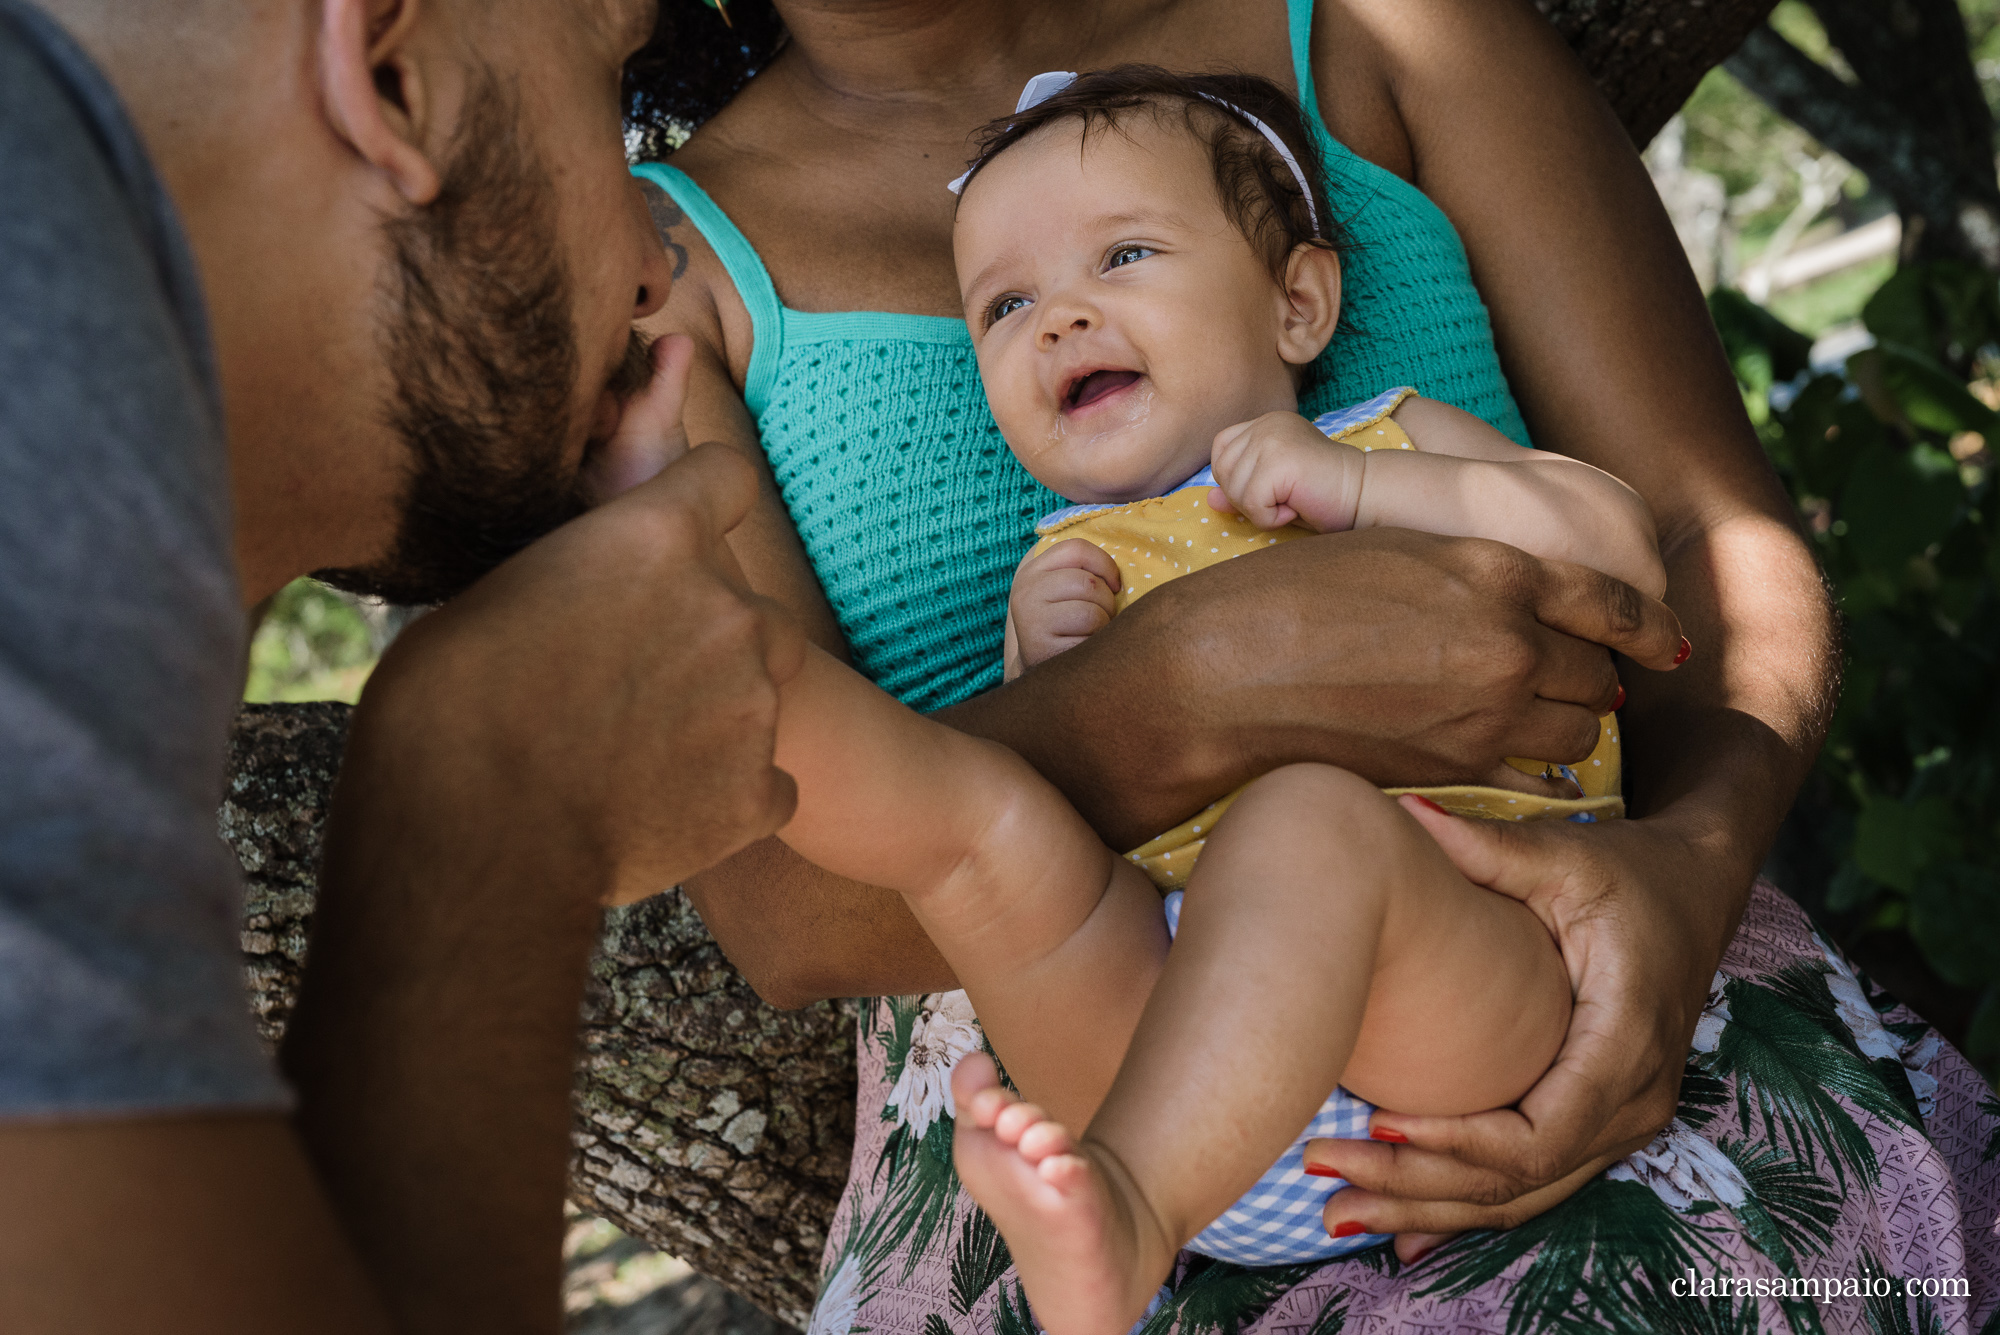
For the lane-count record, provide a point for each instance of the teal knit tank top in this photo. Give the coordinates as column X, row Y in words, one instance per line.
column 912, row 510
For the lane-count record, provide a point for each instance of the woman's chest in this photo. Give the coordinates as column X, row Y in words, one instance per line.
column 858, row 217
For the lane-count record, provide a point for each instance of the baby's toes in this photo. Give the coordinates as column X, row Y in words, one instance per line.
column 1067, row 1173
column 976, row 1091
column 1014, row 1121
column 1043, row 1139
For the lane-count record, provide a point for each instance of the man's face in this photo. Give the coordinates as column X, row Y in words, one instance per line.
column 507, row 306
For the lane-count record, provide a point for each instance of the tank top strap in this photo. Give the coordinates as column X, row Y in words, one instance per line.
column 740, row 261
column 1300, row 14
column 1350, row 179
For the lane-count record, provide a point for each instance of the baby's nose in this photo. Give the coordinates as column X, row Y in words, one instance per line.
column 1053, row 332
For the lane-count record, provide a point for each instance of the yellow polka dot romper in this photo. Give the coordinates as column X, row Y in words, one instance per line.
column 1162, row 538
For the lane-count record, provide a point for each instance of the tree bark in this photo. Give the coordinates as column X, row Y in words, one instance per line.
column 1914, row 121
column 1646, row 56
column 708, row 1123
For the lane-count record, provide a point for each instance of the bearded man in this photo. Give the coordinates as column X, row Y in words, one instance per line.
column 388, row 252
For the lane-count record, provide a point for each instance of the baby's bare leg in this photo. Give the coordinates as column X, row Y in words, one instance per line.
column 1317, row 902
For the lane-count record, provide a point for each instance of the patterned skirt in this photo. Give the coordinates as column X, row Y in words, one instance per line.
column 1833, row 1167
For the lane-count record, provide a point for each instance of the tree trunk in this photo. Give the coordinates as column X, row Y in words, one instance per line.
column 1647, row 55
column 708, row 1123
column 1914, row 120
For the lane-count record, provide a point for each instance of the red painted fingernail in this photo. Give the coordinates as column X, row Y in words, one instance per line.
column 1686, row 649
column 1348, row 1229
column 1420, row 798
column 1388, row 1133
column 1619, row 703
column 1321, row 1170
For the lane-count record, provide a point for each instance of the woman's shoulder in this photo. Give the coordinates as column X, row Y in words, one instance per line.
column 704, row 303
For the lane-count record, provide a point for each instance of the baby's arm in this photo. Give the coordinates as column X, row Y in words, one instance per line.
column 1464, row 479
column 1061, row 597
column 1039, row 920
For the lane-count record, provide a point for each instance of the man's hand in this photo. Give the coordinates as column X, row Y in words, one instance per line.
column 1640, row 962
column 614, row 687
column 1278, row 468
column 1061, row 597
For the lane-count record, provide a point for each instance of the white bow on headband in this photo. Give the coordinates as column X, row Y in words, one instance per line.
column 1046, row 85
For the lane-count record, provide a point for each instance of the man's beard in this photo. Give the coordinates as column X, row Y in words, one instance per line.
column 484, row 354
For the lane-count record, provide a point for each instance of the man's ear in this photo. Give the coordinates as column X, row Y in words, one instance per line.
column 1309, row 308
column 376, row 98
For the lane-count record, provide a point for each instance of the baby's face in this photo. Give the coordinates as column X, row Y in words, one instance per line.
column 1121, row 320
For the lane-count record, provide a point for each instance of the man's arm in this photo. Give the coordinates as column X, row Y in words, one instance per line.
column 199, row 1225
column 588, row 724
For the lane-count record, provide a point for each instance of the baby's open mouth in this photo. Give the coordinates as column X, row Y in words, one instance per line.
column 1089, row 388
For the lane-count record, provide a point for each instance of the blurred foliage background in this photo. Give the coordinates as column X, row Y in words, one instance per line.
column 1872, row 374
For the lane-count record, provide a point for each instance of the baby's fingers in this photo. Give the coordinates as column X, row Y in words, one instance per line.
column 1074, row 586
column 1078, row 554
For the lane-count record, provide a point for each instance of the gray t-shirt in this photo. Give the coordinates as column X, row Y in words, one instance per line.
column 121, row 628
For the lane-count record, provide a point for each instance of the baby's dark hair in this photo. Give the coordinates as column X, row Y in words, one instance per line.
column 1259, row 192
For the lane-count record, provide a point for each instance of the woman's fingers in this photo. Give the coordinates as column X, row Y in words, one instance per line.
column 1589, row 605
column 1415, row 1222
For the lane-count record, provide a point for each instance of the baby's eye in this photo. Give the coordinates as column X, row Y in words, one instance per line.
column 1004, row 307
column 1123, row 255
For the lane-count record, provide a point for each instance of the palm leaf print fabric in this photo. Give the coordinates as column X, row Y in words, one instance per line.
column 1823, row 1130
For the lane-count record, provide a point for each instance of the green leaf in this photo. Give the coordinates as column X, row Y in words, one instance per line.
column 1605, row 1219
column 1930, row 396
column 1895, row 841
column 978, row 1262
column 1012, row 1316
column 1851, row 889
column 1217, row 1298
column 1899, row 311
column 1955, row 917
column 1895, row 506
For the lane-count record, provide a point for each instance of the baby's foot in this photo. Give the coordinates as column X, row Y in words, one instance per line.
column 1091, row 1255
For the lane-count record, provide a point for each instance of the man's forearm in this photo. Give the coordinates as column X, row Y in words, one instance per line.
column 435, row 1040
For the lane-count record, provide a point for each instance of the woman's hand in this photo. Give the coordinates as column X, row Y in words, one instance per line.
column 1407, row 658
column 1640, row 948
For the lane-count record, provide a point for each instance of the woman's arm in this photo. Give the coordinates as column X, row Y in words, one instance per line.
column 797, row 933
column 1608, row 345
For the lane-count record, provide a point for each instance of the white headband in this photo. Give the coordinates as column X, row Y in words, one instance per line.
column 1045, row 86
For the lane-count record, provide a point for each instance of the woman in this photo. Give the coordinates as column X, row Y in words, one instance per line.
column 811, row 232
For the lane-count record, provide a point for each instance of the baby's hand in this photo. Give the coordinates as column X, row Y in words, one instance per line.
column 1061, row 598
column 1278, row 468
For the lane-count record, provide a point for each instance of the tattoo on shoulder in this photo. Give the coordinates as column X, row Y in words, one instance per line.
column 667, row 215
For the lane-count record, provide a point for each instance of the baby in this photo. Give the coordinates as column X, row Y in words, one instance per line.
column 1147, row 274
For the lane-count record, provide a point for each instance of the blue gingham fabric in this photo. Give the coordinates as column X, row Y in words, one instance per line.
column 1278, row 1221
column 1359, row 414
